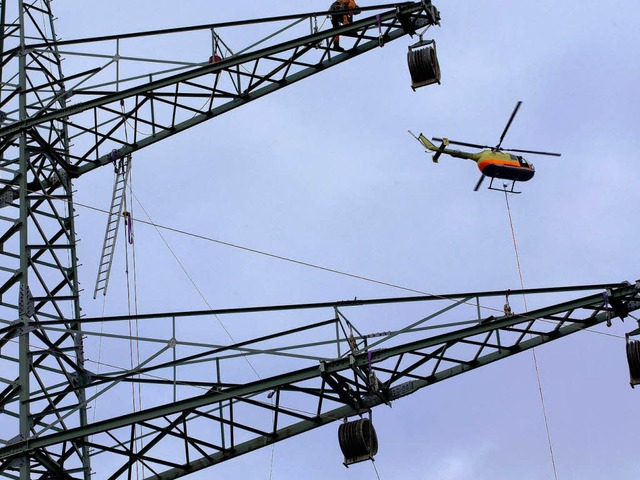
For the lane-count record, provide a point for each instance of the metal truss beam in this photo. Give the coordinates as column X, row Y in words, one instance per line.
column 166, row 103
column 205, row 405
column 365, row 375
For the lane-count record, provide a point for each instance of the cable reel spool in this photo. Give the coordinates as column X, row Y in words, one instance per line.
column 358, row 441
column 633, row 357
column 423, row 64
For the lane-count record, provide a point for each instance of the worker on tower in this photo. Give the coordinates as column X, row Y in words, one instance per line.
column 342, row 18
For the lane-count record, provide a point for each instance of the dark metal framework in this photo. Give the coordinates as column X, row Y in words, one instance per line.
column 334, row 362
column 38, row 274
column 107, row 119
column 56, row 126
column 204, row 402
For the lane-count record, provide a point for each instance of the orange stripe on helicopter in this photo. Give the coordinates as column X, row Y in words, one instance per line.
column 496, row 161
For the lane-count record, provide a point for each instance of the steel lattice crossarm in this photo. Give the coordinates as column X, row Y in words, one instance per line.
column 208, row 403
column 116, row 102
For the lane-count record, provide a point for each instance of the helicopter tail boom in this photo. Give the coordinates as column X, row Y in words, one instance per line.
column 442, row 148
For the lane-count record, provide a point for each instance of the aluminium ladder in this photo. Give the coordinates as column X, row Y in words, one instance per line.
column 113, row 224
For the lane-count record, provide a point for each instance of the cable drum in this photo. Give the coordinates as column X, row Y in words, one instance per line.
column 423, row 66
column 358, row 440
column 633, row 357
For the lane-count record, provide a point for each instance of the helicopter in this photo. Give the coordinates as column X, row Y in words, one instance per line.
column 493, row 162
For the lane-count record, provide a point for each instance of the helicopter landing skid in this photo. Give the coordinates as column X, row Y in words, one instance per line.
column 505, row 187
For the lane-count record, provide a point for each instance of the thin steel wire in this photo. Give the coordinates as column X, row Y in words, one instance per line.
column 310, row 265
column 193, row 282
column 533, row 350
column 375, row 469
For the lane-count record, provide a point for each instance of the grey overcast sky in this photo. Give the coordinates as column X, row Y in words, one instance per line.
column 325, row 172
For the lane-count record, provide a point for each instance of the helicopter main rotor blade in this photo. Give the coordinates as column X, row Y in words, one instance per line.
column 532, row 151
column 515, row 110
column 479, row 183
column 464, row 144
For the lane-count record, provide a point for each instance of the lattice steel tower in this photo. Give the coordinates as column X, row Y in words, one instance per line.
column 55, row 127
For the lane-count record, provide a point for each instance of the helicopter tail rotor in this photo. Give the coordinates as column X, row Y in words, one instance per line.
column 430, row 146
column 443, row 144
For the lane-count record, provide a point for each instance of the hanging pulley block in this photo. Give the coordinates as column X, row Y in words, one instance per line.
column 423, row 64
column 618, row 306
column 633, row 357
column 358, row 441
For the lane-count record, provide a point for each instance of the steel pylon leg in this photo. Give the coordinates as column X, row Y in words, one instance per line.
column 43, row 373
